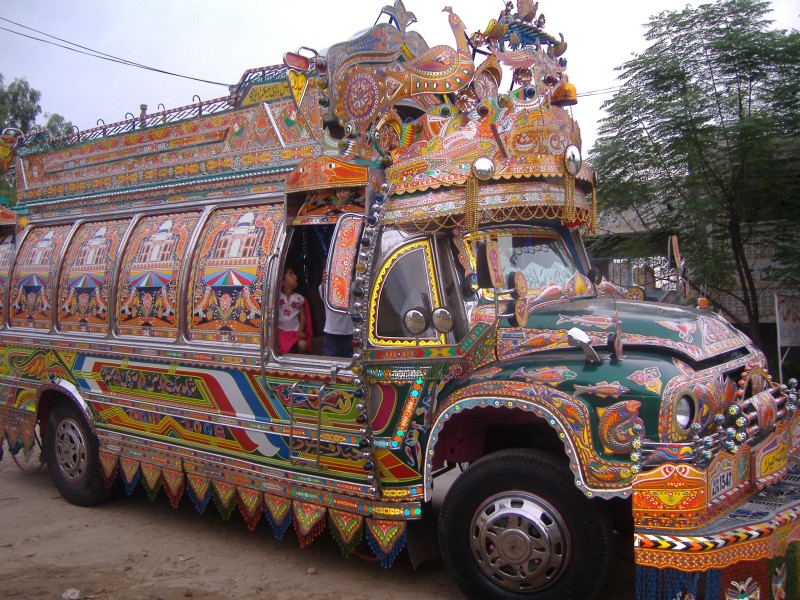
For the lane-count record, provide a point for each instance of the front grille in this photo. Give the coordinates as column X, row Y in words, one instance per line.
column 757, row 407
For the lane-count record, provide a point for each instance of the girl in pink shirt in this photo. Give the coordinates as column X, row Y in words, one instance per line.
column 293, row 311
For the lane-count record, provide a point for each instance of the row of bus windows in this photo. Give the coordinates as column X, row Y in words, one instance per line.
column 226, row 279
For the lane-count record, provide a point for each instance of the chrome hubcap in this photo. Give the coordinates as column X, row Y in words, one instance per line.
column 520, row 541
column 70, row 450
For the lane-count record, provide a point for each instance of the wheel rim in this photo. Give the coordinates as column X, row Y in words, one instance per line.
column 520, row 541
column 71, row 450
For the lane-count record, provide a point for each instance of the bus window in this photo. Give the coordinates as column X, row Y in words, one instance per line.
column 148, row 284
column 34, row 274
column 228, row 281
column 6, row 253
column 406, row 281
column 86, row 277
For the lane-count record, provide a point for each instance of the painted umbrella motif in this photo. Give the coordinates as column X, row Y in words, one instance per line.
column 229, row 277
column 33, row 280
column 149, row 279
column 85, row 281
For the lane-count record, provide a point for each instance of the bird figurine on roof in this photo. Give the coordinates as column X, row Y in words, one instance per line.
column 560, row 47
column 364, row 92
column 398, row 14
column 526, row 10
column 459, row 31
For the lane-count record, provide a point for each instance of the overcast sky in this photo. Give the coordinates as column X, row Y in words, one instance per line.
column 218, row 41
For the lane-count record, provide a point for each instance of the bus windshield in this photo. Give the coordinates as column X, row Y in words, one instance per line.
column 539, row 254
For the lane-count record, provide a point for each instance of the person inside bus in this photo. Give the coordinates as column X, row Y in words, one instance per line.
column 294, row 315
column 338, row 330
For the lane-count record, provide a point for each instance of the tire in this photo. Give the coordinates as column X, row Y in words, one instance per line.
column 515, row 526
column 72, row 456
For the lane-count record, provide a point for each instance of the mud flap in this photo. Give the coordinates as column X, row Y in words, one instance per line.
column 422, row 543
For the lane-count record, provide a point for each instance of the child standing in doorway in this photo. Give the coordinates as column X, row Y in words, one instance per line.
column 292, row 315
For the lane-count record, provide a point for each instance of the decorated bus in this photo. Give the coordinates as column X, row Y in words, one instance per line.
column 362, row 269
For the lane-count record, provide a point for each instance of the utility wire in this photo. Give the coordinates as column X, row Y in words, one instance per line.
column 96, row 53
column 601, row 92
column 109, row 57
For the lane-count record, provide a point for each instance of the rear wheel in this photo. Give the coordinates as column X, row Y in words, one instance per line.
column 72, row 456
column 514, row 525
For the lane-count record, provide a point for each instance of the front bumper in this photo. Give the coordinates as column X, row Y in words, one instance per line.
column 722, row 513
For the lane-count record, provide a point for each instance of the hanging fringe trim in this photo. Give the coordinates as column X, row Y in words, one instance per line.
column 199, row 490
column 714, row 584
column 129, row 467
column 110, row 466
column 387, row 539
column 250, row 502
column 174, row 484
column 347, row 529
column 471, row 204
column 151, row 477
column 666, row 584
column 224, row 496
column 278, row 512
column 309, row 521
column 570, row 207
column 21, row 436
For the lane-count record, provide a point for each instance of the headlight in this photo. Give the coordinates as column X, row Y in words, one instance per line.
column 685, row 412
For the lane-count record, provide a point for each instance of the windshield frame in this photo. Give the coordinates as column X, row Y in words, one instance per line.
column 548, row 234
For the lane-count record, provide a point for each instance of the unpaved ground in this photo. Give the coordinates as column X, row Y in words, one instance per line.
column 131, row 548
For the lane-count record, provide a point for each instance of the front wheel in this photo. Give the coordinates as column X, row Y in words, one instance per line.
column 72, row 457
column 514, row 526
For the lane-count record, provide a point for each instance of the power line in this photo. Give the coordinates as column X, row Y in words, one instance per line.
column 96, row 53
column 601, row 92
column 111, row 58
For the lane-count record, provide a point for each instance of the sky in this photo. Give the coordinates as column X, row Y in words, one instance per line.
column 219, row 41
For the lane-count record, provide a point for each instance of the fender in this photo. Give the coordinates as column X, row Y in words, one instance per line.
column 62, row 386
column 594, row 474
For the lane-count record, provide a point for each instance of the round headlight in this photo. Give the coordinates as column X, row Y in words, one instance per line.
column 684, row 412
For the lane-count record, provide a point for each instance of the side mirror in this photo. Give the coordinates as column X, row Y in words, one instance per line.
column 580, row 339
column 442, row 320
column 415, row 321
column 595, row 276
column 482, row 266
column 341, row 262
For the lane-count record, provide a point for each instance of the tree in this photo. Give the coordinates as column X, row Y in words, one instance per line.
column 19, row 105
column 702, row 140
column 19, row 109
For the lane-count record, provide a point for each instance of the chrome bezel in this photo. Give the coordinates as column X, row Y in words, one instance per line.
column 694, row 405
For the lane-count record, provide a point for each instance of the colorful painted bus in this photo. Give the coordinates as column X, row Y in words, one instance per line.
column 143, row 299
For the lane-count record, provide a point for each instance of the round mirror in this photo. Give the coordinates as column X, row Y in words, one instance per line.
column 573, row 160
column 521, row 312
column 442, row 320
column 520, row 284
column 493, row 260
column 483, row 168
column 415, row 321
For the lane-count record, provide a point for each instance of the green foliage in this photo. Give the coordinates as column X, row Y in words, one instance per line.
column 56, row 125
column 19, row 105
column 19, row 109
column 702, row 140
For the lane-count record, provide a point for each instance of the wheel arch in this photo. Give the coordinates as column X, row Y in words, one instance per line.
column 471, row 428
column 547, row 420
column 60, row 390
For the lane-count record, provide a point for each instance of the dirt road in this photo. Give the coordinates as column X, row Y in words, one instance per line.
column 132, row 548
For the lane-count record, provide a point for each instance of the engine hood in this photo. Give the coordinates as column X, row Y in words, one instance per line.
column 698, row 335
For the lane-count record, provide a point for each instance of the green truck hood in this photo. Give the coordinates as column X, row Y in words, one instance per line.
column 696, row 334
